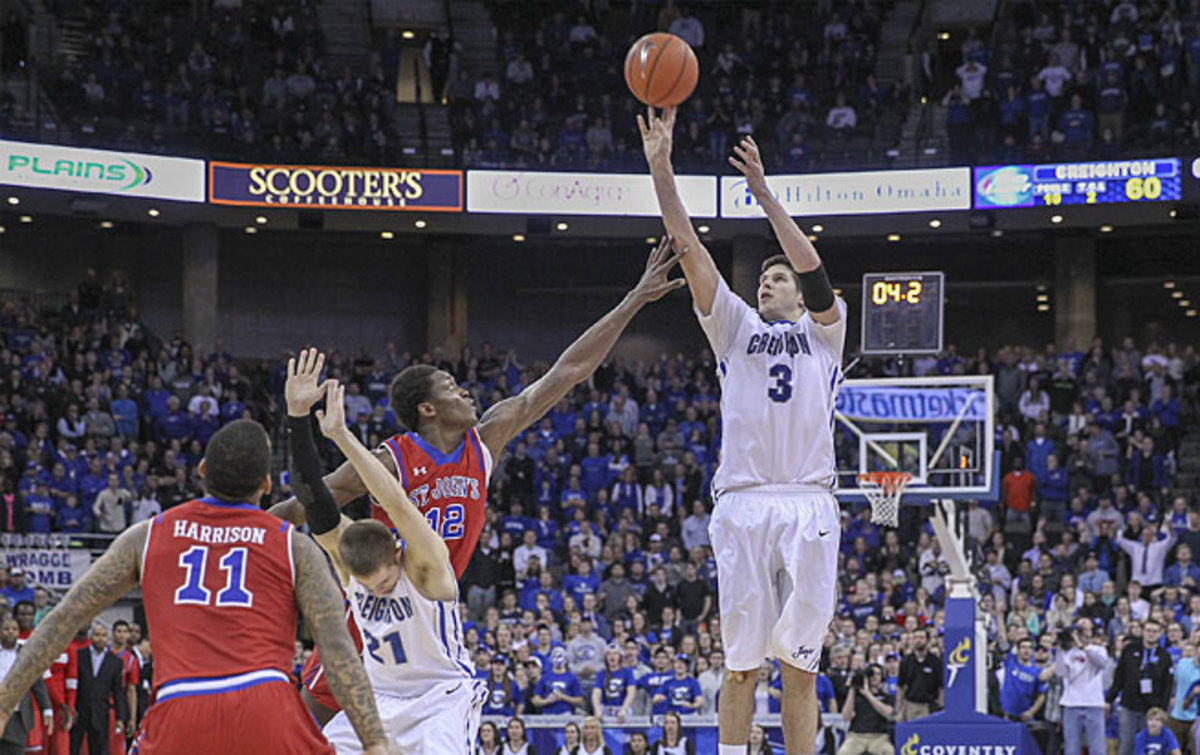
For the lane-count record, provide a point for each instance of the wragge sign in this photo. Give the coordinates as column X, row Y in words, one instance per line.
column 854, row 193
column 617, row 194
column 95, row 171
column 50, row 568
column 335, row 188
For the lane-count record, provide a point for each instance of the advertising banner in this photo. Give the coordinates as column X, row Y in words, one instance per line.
column 615, row 194
column 95, row 171
column 52, row 568
column 327, row 187
column 865, row 193
column 892, row 404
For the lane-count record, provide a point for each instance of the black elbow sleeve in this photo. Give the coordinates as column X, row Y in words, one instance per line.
column 817, row 290
column 307, row 481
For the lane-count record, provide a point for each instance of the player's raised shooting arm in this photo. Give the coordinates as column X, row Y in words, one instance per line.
column 699, row 268
column 501, row 423
column 324, row 612
column 799, row 250
column 426, row 558
column 113, row 575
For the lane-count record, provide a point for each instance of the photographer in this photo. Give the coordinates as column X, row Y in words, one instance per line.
column 1081, row 663
column 869, row 710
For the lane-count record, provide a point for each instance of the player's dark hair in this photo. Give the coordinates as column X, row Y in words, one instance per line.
column 120, row 623
column 237, row 460
column 781, row 259
column 367, row 545
column 408, row 390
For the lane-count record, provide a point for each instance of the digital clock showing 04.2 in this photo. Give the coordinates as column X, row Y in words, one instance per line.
column 902, row 313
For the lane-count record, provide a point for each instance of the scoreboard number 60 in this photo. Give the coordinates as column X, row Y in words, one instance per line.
column 1143, row 188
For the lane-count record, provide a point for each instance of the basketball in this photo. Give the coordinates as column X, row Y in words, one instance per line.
column 661, row 70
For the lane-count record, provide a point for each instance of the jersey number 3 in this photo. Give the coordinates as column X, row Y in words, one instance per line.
column 781, row 390
column 194, row 561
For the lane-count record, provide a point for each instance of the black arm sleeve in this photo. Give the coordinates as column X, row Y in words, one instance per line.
column 817, row 290
column 307, row 482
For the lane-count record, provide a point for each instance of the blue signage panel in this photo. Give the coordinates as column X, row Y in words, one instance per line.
column 335, row 188
column 1108, row 182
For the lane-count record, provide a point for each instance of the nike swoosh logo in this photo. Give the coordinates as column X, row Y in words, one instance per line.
column 455, row 689
column 822, row 533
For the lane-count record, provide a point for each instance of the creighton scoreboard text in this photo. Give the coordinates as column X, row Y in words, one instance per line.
column 1109, row 182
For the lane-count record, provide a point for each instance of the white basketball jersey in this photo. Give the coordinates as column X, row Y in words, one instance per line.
column 778, row 385
column 409, row 641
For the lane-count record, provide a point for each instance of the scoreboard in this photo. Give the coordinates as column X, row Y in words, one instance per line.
column 902, row 313
column 1054, row 184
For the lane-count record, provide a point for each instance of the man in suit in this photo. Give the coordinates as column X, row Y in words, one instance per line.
column 12, row 742
column 100, row 690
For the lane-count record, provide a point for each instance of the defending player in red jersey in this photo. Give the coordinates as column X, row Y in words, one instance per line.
column 222, row 582
column 445, row 461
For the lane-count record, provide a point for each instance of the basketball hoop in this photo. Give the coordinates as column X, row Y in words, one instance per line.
column 883, row 490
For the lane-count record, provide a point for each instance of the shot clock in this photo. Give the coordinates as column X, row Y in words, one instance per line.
column 902, row 313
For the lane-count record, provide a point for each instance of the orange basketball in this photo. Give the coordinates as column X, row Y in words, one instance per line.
column 661, row 69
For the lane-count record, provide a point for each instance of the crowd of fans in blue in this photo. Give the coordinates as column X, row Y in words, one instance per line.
column 1048, row 80
column 593, row 587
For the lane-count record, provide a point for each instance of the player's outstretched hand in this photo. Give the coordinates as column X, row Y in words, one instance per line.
column 302, row 389
column 333, row 418
column 656, row 281
column 750, row 165
column 656, row 133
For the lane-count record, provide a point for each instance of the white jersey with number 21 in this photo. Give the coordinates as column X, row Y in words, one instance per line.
column 778, row 385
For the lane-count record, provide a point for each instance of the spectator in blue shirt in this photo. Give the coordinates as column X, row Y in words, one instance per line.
column 681, row 692
column 653, row 682
column 70, row 516
column 612, row 697
column 1156, row 738
column 39, row 509
column 593, row 471
column 558, row 690
column 504, row 696
column 1022, row 695
column 17, row 591
column 174, row 423
column 1037, row 108
column 125, row 413
column 1184, row 572
column 1052, row 491
column 582, row 582
column 1037, row 451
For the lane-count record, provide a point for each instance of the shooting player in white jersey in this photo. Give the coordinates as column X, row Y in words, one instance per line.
column 403, row 595
column 775, row 526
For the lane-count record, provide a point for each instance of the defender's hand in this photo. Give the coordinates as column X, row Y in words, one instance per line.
column 655, row 282
column 302, row 389
column 751, row 166
column 656, row 134
column 333, row 418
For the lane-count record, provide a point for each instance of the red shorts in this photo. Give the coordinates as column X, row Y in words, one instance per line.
column 317, row 684
column 264, row 718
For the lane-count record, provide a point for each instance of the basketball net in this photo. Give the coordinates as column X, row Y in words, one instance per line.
column 883, row 490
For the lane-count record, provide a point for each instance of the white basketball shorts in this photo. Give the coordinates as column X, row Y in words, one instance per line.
column 777, row 553
column 443, row 720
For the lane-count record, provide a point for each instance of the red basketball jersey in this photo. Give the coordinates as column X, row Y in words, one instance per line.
column 218, row 582
column 449, row 489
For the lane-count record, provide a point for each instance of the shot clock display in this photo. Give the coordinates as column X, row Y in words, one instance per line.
column 902, row 313
column 1110, row 182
